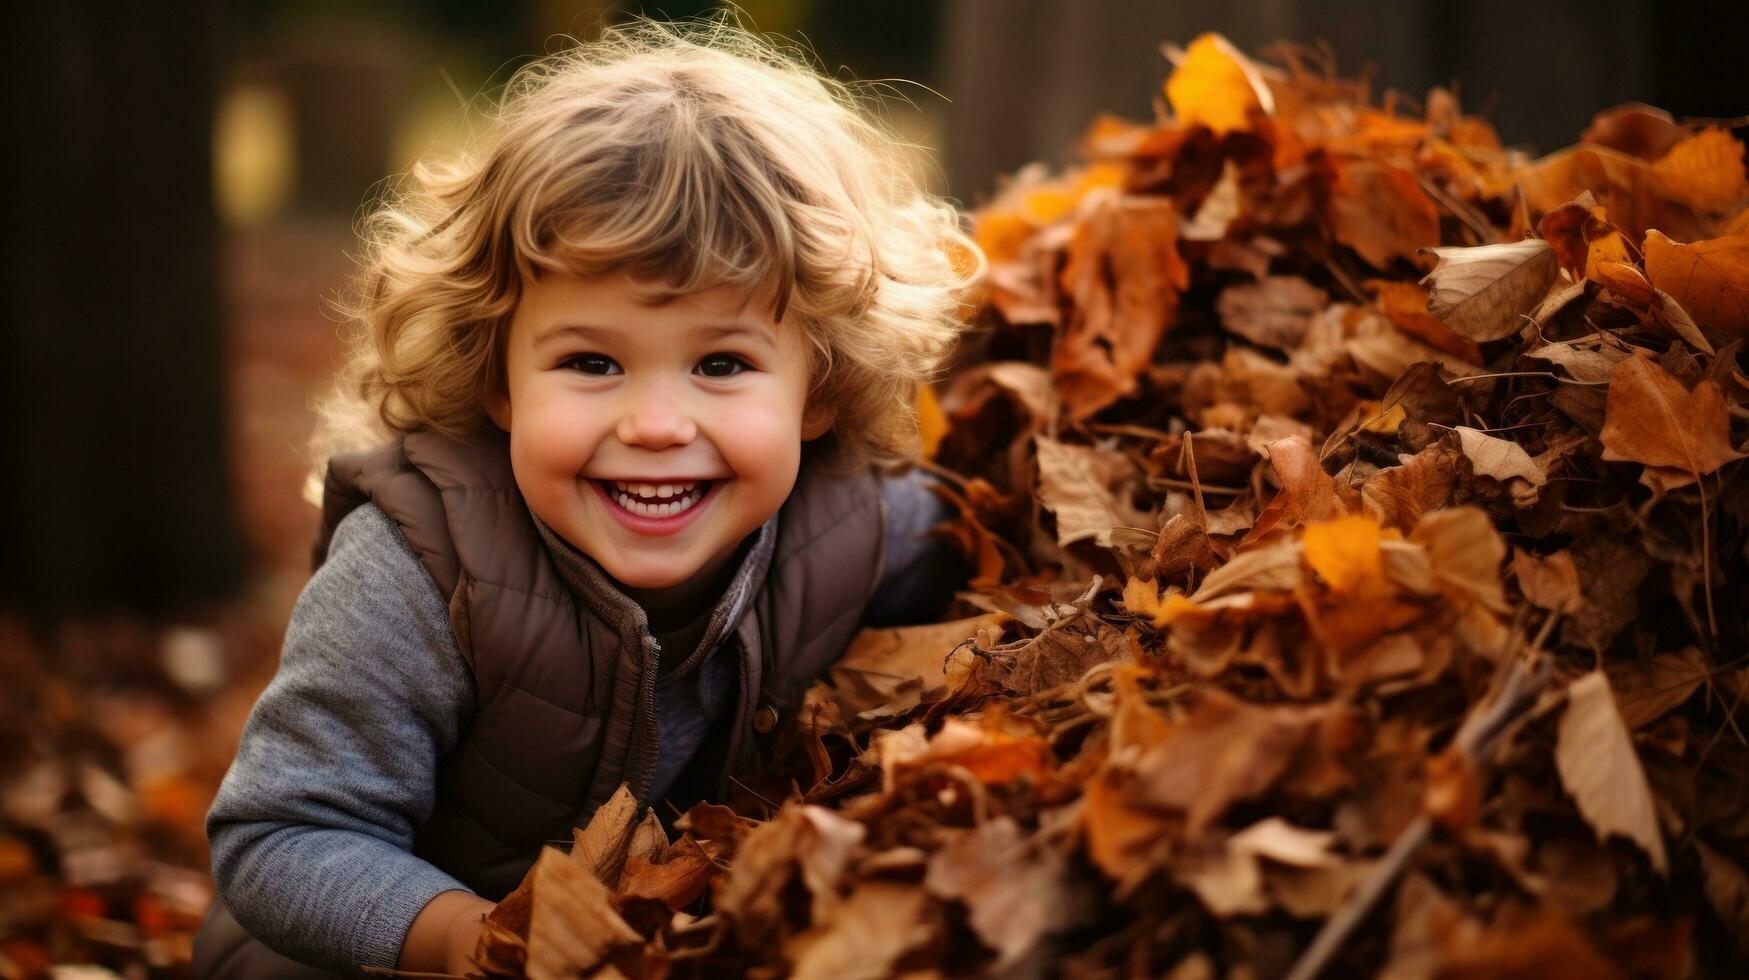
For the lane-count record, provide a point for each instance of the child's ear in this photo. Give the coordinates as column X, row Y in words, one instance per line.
column 498, row 409
column 817, row 421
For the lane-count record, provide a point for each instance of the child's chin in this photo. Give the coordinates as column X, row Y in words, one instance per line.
column 641, row 578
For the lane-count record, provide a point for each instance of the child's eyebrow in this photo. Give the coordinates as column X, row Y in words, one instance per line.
column 712, row 331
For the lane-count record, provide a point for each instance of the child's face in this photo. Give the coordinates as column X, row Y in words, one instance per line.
column 652, row 395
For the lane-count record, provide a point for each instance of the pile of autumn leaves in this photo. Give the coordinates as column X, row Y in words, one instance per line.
column 1290, row 427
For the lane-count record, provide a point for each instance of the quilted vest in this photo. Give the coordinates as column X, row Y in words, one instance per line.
column 565, row 711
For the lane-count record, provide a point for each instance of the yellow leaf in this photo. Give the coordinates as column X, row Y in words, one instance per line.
column 1141, row 596
column 1608, row 248
column 1176, row 608
column 1216, row 86
column 1344, row 552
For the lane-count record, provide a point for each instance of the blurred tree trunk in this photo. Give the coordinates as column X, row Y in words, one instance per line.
column 116, row 492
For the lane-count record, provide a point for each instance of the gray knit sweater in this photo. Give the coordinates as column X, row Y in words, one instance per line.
column 313, row 826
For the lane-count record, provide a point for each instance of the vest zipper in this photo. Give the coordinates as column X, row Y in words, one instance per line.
column 647, row 751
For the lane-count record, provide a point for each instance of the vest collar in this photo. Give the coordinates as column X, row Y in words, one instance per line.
column 590, row 584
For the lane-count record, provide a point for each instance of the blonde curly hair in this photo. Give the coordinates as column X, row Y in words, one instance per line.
column 691, row 155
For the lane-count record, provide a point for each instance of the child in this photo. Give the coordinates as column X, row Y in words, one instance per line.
column 625, row 377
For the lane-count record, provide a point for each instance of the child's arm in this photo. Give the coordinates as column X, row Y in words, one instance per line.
column 919, row 572
column 313, row 826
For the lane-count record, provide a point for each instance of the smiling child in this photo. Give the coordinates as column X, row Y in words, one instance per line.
column 613, row 471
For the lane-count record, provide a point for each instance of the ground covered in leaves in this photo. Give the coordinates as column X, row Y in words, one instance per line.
column 1360, row 532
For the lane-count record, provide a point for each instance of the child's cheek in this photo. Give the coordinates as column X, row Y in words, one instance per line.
column 755, row 435
column 555, row 437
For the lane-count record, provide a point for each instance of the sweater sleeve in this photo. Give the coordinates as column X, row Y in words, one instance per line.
column 312, row 828
column 920, row 571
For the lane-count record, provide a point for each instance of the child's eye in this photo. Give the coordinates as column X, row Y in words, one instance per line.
column 590, row 363
column 722, row 366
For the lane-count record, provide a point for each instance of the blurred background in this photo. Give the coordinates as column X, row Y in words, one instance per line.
column 181, row 195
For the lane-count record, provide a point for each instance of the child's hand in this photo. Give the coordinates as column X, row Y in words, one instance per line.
column 444, row 934
column 464, row 936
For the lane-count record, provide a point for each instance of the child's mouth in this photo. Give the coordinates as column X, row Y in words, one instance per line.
column 651, row 513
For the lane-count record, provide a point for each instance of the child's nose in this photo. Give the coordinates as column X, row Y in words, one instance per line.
column 656, row 420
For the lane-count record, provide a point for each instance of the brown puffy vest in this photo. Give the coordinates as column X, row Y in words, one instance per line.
column 564, row 711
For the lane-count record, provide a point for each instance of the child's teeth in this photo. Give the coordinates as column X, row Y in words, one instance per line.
column 637, row 506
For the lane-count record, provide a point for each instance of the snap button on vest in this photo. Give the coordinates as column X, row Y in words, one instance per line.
column 765, row 719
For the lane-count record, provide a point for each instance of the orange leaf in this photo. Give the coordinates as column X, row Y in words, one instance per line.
column 1709, row 278
column 1381, row 212
column 1650, row 418
column 1705, row 171
column 1119, row 834
column 1214, row 85
column 1124, row 274
column 1344, row 552
column 1405, row 305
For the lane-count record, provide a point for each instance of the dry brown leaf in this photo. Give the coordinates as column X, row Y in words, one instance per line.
column 677, row 881
column 1217, row 210
column 1586, row 361
column 1013, row 890
column 1124, row 274
column 1636, row 129
column 601, row 846
column 1230, row 880
column 1651, row 419
column 1465, row 551
column 1649, row 691
column 1087, row 489
column 1272, row 569
column 1710, row 279
column 1629, row 190
column 1671, row 314
column 1485, row 291
column 1379, row 210
column 1309, row 491
column 1030, row 384
column 1225, row 751
column 885, row 671
column 573, row 927
column 1494, row 457
column 864, row 936
column 1599, row 767
column 806, row 843
column 1551, row 582
column 1271, row 313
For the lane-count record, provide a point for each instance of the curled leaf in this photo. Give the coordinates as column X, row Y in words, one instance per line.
column 1483, row 292
column 1498, row 458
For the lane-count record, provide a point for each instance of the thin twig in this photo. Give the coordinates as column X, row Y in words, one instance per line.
column 1169, row 483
